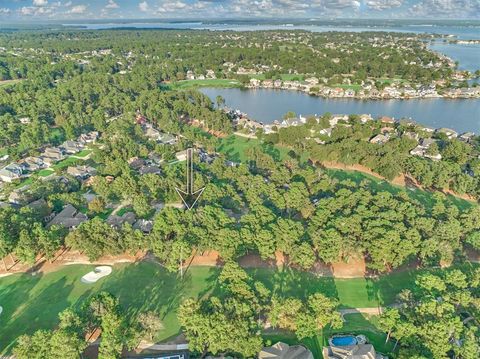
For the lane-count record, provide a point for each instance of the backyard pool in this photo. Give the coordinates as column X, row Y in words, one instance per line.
column 344, row 340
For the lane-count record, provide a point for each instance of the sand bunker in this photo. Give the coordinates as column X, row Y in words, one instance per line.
column 96, row 274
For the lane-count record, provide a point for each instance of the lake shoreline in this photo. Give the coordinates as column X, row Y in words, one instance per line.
column 269, row 105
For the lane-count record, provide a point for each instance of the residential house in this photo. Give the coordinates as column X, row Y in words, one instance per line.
column 349, row 93
column 11, row 173
column 69, row 217
column 72, row 147
column 52, row 155
column 32, row 164
column 448, row 132
column 326, row 131
column 40, row 208
column 82, row 172
column 291, row 122
column 167, row 139
column 211, row 74
column 380, row 139
column 20, row 195
column 428, row 129
column 151, row 132
column 143, row 225
column 411, row 135
column 267, row 83
column 312, row 81
column 190, row 75
column 386, row 119
column 118, row 221
column 284, row 351
column 255, row 82
column 365, row 118
column 88, row 137
column 181, row 155
column 149, row 169
column 466, row 137
column 422, row 149
column 24, row 120
column 155, row 158
column 136, row 163
column 358, row 351
column 140, row 119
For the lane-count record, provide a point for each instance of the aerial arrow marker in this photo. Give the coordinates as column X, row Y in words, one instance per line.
column 190, row 197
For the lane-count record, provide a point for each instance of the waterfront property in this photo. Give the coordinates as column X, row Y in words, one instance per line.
column 350, row 347
column 268, row 105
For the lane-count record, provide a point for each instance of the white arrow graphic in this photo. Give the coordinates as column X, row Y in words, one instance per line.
column 189, row 197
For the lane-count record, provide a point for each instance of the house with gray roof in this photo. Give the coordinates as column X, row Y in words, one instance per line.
column 284, row 351
column 116, row 221
column 143, row 225
column 69, row 217
column 11, row 172
column 81, row 172
column 72, row 147
column 357, row 351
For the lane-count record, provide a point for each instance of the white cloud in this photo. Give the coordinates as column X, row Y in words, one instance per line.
column 383, row 4
column 111, row 5
column 68, row 4
column 35, row 11
column 78, row 9
column 143, row 6
column 4, row 11
column 171, row 6
column 446, row 8
column 40, row 2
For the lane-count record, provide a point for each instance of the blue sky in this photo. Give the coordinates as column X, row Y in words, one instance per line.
column 198, row 9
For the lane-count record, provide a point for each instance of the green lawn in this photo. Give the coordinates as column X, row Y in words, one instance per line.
column 391, row 80
column 187, row 84
column 45, row 172
column 69, row 161
column 284, row 77
column 345, row 87
column 234, row 148
column 84, row 153
column 354, row 324
column 424, row 197
column 33, row 302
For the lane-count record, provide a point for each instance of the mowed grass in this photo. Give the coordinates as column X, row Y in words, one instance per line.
column 187, row 84
column 283, row 77
column 33, row 302
column 235, row 147
column 420, row 195
column 353, row 324
column 348, row 87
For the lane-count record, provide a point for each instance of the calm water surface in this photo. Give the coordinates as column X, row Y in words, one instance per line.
column 267, row 105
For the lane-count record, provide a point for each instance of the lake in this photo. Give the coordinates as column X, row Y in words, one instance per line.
column 267, row 105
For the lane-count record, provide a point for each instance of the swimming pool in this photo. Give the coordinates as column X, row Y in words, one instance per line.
column 344, row 340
